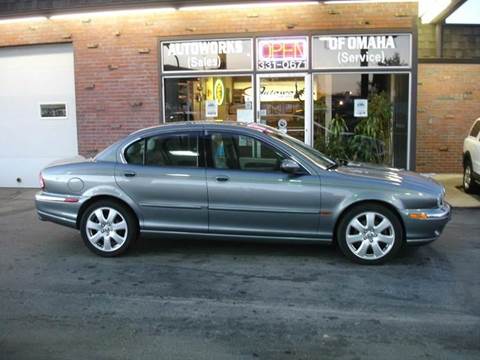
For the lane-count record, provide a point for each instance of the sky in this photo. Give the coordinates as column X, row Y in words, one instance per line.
column 468, row 13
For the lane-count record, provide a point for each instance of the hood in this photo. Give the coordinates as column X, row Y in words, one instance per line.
column 392, row 176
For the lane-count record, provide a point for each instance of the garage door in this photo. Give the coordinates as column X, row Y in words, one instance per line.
column 37, row 111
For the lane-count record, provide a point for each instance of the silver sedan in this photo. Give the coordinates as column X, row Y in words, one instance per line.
column 244, row 182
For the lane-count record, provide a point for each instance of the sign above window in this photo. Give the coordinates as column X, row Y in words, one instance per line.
column 361, row 51
column 208, row 55
column 276, row 54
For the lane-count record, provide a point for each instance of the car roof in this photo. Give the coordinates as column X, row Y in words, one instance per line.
column 183, row 125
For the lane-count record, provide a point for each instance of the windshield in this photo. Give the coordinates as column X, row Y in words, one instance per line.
column 309, row 152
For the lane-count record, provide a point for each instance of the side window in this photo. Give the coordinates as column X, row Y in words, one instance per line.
column 475, row 129
column 134, row 153
column 243, row 153
column 172, row 150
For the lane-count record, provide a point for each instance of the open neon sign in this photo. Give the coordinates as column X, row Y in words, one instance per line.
column 282, row 54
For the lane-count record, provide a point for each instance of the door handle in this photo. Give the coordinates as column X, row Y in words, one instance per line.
column 129, row 173
column 222, row 178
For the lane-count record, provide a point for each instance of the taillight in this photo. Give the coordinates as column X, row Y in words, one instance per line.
column 42, row 182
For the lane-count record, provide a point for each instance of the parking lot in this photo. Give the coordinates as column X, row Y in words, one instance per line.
column 171, row 299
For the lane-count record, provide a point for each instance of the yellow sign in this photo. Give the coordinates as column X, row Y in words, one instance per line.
column 219, row 91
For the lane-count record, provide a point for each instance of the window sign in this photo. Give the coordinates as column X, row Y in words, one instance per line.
column 282, row 53
column 208, row 55
column 211, row 108
column 360, row 51
column 360, row 107
column 57, row 110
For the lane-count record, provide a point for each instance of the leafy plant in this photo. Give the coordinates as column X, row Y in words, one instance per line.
column 336, row 146
column 371, row 142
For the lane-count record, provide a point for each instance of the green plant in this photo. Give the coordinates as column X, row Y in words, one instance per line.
column 336, row 147
column 371, row 142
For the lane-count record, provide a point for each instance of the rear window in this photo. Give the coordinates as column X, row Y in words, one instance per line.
column 177, row 150
column 173, row 150
column 135, row 152
column 475, row 129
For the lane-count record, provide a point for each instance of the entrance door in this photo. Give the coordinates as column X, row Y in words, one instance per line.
column 284, row 103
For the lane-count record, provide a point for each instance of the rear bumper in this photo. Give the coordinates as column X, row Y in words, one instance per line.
column 423, row 231
column 60, row 209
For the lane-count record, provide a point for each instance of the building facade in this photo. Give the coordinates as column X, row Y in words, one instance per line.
column 340, row 77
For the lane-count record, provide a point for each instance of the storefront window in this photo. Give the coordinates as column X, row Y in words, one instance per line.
column 225, row 98
column 357, row 51
column 348, row 95
column 207, row 55
column 362, row 117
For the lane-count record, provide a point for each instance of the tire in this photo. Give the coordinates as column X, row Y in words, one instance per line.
column 469, row 184
column 108, row 228
column 369, row 244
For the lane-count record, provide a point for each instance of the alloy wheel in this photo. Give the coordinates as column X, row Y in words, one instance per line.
column 106, row 229
column 370, row 235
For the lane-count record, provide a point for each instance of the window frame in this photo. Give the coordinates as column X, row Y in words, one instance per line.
column 209, row 155
column 200, row 144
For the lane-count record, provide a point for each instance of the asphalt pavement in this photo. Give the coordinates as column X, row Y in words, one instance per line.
column 171, row 299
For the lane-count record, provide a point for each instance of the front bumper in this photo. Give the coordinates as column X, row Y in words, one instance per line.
column 421, row 231
column 61, row 209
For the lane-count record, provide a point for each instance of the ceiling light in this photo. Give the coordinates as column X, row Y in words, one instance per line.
column 22, row 19
column 248, row 5
column 126, row 12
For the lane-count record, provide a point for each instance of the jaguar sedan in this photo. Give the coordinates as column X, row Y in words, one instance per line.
column 242, row 182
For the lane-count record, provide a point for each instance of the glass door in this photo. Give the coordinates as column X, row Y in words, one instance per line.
column 283, row 102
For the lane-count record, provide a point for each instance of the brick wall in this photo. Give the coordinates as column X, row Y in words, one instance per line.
column 448, row 102
column 116, row 58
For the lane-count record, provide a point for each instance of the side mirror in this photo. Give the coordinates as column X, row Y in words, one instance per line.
column 290, row 167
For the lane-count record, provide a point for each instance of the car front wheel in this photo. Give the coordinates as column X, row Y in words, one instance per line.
column 108, row 228
column 370, row 234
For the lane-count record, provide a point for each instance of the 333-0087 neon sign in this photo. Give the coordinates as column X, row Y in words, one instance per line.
column 282, row 54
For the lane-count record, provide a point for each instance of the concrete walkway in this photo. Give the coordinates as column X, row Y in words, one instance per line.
column 455, row 194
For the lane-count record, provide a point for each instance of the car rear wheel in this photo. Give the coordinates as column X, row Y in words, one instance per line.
column 370, row 234
column 108, row 228
column 469, row 184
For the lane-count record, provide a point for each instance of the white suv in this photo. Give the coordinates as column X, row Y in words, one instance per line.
column 471, row 159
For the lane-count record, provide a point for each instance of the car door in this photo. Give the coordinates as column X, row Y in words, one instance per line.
column 249, row 194
column 165, row 175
